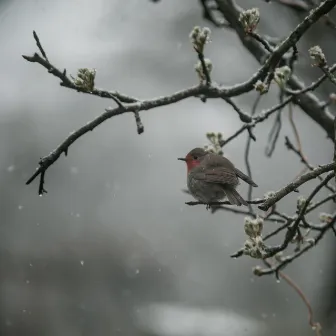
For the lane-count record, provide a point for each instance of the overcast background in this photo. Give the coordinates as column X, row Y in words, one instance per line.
column 112, row 249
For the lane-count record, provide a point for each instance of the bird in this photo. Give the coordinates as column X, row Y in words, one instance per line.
column 212, row 177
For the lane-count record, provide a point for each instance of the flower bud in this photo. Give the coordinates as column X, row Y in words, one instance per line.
column 317, row 55
column 199, row 69
column 250, row 19
column 301, row 201
column 199, row 38
column 269, row 194
column 253, row 227
column 282, row 75
column 85, row 79
column 325, row 217
column 261, row 87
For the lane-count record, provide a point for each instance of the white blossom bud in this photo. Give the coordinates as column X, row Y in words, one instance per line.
column 250, row 19
column 317, row 55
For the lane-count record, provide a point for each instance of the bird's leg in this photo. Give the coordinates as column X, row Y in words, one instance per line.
column 208, row 206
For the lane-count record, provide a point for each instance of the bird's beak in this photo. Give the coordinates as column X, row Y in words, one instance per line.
column 182, row 159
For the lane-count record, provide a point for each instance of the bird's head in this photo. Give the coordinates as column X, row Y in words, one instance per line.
column 194, row 158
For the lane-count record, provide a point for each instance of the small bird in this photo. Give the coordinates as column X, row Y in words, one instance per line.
column 212, row 177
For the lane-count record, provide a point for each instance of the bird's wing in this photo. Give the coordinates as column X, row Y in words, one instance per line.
column 220, row 175
column 245, row 178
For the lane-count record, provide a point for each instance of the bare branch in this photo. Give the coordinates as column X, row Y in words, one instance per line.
column 295, row 95
column 228, row 6
column 292, row 230
column 264, row 42
column 204, row 67
column 314, row 325
column 242, row 115
column 209, row 90
column 192, row 203
column 329, row 74
column 248, row 213
column 289, row 220
column 246, row 156
column 295, row 184
column 286, row 260
column 308, row 102
column 40, row 46
column 298, row 152
column 275, row 130
column 68, row 83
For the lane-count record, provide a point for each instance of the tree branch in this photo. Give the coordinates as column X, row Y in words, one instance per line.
column 286, row 260
column 209, row 90
column 295, row 184
column 308, row 102
column 292, row 230
column 299, row 153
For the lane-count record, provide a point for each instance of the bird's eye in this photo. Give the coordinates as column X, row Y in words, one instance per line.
column 195, row 157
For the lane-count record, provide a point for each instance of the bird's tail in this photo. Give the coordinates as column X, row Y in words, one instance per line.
column 234, row 197
column 245, row 178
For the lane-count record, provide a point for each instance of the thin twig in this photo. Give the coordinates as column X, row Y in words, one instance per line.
column 209, row 90
column 204, row 67
column 309, row 103
column 247, row 153
column 68, row 83
column 314, row 325
column 331, row 197
column 295, row 130
column 311, row 208
column 285, row 45
column 297, row 137
column 248, row 213
column 38, row 43
column 192, row 203
column 304, row 160
column 271, row 251
column 244, row 117
column 295, row 184
column 139, row 124
column 329, row 74
column 286, row 260
column 294, row 57
column 222, row 143
column 265, row 114
column 264, row 42
column 275, row 130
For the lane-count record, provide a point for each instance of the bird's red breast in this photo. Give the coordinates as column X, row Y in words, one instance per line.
column 191, row 163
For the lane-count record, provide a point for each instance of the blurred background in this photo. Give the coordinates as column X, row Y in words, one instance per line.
column 112, row 249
